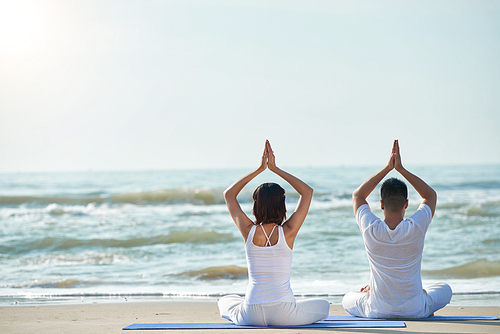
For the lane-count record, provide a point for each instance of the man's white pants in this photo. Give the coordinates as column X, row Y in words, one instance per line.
column 437, row 296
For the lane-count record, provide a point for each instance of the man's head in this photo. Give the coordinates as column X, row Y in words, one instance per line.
column 394, row 194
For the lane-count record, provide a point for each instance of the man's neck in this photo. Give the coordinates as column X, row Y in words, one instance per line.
column 392, row 219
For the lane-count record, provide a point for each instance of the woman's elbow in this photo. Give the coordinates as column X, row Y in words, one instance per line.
column 308, row 192
column 355, row 194
column 228, row 194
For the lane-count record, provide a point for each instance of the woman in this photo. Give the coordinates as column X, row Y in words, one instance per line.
column 269, row 239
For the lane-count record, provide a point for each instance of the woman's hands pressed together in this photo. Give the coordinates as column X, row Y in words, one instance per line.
column 271, row 159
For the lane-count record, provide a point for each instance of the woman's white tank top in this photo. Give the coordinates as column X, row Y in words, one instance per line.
column 268, row 271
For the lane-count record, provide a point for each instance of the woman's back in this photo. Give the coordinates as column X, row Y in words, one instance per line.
column 269, row 270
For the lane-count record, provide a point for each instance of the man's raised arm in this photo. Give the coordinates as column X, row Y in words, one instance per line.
column 360, row 195
column 428, row 194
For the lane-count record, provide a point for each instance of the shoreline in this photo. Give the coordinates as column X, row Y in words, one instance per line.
column 112, row 317
column 470, row 299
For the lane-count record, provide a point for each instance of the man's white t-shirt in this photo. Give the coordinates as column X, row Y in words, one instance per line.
column 395, row 262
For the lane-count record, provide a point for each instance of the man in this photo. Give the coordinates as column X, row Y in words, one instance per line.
column 394, row 249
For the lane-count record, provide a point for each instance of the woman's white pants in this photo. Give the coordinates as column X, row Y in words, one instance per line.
column 302, row 312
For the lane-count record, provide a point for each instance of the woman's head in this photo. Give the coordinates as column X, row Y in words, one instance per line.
column 269, row 204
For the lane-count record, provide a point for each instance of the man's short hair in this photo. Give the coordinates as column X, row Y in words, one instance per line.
column 394, row 193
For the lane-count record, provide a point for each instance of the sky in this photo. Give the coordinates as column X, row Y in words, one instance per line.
column 140, row 85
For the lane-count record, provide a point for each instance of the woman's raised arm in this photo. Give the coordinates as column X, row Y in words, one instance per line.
column 239, row 217
column 295, row 221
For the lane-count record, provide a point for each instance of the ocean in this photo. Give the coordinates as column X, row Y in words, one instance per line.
column 150, row 235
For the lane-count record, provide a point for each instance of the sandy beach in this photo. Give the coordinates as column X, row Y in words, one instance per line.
column 112, row 317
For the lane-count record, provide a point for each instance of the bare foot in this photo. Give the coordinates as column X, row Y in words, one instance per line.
column 366, row 288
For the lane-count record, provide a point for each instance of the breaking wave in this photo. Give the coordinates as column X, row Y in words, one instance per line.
column 196, row 196
column 480, row 211
column 5, row 200
column 193, row 196
column 193, row 235
column 475, row 269
column 228, row 272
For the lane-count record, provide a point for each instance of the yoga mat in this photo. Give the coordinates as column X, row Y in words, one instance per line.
column 433, row 318
column 226, row 325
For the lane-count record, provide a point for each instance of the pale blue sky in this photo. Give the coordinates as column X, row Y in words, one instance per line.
column 114, row 85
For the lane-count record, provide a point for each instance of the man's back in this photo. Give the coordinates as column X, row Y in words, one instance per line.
column 395, row 261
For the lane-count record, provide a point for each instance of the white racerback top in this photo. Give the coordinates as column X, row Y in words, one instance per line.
column 268, row 270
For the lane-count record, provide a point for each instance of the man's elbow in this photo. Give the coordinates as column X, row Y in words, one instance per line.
column 431, row 199
column 432, row 196
column 309, row 191
column 435, row 196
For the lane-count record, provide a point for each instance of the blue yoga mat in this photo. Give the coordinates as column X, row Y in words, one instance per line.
column 228, row 325
column 433, row 318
